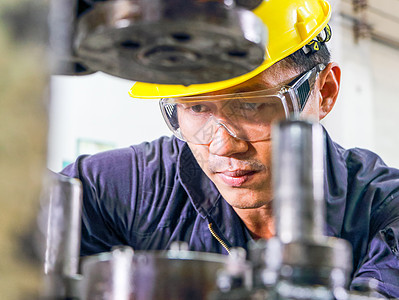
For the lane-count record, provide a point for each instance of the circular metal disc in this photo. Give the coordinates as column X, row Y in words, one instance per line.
column 184, row 44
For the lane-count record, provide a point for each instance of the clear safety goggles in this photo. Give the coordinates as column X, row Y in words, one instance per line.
column 247, row 115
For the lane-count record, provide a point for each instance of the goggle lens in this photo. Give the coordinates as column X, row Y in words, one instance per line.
column 248, row 119
column 247, row 116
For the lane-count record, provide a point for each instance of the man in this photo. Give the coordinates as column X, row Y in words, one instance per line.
column 211, row 186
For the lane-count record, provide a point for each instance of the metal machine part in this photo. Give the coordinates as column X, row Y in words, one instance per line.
column 263, row 277
column 298, row 181
column 170, row 41
column 61, row 213
column 108, row 275
column 312, row 265
column 266, row 258
column 62, row 29
column 173, row 274
column 319, row 270
column 237, row 273
column 122, row 267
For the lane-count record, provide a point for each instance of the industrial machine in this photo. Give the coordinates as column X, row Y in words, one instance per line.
column 187, row 42
column 162, row 41
column 300, row 262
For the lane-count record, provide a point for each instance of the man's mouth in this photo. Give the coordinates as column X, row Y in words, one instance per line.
column 236, row 178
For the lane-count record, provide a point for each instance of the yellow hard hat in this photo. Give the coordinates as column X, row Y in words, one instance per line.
column 291, row 25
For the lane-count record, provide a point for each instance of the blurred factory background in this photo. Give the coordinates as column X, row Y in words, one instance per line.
column 23, row 142
column 93, row 113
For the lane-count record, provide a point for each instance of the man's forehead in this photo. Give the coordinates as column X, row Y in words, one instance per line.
column 273, row 77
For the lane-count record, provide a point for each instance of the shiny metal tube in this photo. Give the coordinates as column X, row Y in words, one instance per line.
column 121, row 272
column 61, row 210
column 313, row 266
column 298, row 181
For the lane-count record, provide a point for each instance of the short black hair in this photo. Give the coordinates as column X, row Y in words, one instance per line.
column 302, row 62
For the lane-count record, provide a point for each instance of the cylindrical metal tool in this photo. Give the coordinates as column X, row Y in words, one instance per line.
column 61, row 212
column 313, row 266
column 298, row 181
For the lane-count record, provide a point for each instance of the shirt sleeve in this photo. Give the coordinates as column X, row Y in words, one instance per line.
column 382, row 260
column 110, row 183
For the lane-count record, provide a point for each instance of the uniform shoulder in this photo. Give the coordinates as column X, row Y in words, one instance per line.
column 122, row 160
column 165, row 148
column 366, row 160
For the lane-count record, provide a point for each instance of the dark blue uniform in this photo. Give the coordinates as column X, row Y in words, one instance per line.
column 152, row 194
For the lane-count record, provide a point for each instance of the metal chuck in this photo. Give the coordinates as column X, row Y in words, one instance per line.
column 170, row 41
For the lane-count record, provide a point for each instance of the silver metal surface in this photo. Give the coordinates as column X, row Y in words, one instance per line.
column 298, row 181
column 173, row 274
column 326, row 263
column 170, row 41
column 266, row 259
column 329, row 253
column 313, row 266
column 237, row 273
column 122, row 270
column 61, row 210
column 62, row 28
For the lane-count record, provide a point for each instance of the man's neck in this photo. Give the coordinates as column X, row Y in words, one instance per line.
column 259, row 221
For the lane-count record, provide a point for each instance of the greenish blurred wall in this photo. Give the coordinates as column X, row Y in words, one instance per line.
column 23, row 134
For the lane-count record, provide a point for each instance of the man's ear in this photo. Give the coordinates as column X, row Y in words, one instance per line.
column 329, row 83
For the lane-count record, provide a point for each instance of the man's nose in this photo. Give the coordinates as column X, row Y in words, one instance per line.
column 225, row 144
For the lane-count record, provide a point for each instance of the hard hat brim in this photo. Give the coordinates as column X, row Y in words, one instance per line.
column 301, row 28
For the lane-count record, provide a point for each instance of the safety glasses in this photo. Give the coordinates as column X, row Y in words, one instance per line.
column 247, row 116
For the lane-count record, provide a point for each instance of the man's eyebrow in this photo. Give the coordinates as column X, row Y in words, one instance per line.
column 251, row 88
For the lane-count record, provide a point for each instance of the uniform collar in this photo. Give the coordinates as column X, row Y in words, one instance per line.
column 201, row 190
column 208, row 202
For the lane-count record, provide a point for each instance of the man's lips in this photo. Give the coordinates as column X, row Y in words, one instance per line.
column 236, row 178
column 237, row 173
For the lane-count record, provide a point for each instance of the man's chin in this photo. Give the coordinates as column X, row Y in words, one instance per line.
column 255, row 193
column 247, row 201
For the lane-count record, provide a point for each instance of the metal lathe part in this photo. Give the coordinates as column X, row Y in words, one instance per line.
column 326, row 263
column 266, row 258
column 298, row 180
column 329, row 253
column 121, row 274
column 156, row 275
column 61, row 211
column 313, row 265
column 170, row 41
column 237, row 273
column 62, row 29
column 108, row 275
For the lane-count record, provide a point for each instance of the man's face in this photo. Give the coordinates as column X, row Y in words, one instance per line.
column 241, row 170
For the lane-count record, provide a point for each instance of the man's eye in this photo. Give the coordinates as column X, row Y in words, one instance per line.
column 199, row 108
